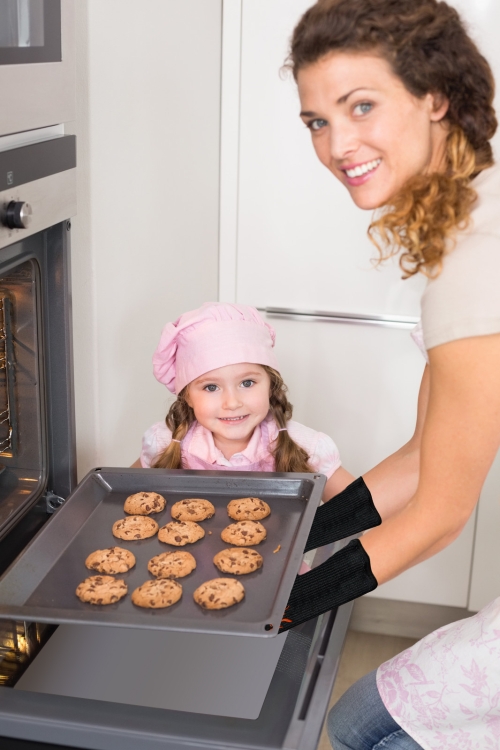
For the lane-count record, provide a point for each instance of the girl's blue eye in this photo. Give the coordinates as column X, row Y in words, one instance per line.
column 363, row 108
column 248, row 383
column 210, row 388
column 316, row 125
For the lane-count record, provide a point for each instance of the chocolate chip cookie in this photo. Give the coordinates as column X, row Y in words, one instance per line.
column 192, row 509
column 219, row 593
column 144, row 503
column 244, row 533
column 176, row 564
column 111, row 560
column 238, row 560
column 162, row 592
column 180, row 533
column 248, row 508
column 135, row 527
column 101, row 590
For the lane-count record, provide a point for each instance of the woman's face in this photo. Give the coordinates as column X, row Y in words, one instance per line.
column 367, row 128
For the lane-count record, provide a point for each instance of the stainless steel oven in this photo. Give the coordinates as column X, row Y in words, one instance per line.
column 37, row 441
column 37, row 64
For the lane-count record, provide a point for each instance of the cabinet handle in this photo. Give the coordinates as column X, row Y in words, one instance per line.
column 386, row 321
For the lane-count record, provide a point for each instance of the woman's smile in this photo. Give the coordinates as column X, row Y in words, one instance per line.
column 358, row 174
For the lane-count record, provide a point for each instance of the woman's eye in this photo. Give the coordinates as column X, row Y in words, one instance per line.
column 247, row 383
column 316, row 125
column 363, row 108
column 211, row 387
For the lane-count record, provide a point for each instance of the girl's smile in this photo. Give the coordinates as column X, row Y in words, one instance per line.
column 367, row 128
column 230, row 402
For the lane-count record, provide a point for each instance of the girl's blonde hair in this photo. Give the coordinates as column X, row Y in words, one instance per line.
column 288, row 456
column 428, row 48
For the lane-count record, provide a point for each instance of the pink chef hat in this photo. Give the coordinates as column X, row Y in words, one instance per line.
column 215, row 335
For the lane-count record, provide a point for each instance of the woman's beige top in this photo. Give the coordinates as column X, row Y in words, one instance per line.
column 464, row 300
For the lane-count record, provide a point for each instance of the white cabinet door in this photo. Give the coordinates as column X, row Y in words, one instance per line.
column 359, row 384
column 301, row 242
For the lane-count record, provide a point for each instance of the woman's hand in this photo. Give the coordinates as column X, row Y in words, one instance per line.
column 460, row 438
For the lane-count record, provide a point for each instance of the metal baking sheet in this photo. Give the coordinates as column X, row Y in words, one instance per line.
column 40, row 585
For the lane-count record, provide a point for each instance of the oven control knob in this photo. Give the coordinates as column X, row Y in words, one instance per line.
column 17, row 215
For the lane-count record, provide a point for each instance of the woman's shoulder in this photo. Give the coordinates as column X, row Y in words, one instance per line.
column 463, row 299
column 485, row 214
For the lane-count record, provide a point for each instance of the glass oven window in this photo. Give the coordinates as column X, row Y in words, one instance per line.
column 30, row 31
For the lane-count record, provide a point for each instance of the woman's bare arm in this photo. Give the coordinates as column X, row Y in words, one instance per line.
column 339, row 480
column 460, row 438
column 137, row 464
column 394, row 481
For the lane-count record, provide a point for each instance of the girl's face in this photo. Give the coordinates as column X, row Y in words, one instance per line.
column 367, row 128
column 230, row 402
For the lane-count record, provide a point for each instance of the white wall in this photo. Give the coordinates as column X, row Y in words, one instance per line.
column 145, row 241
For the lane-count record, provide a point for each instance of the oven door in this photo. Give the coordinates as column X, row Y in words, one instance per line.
column 37, row 64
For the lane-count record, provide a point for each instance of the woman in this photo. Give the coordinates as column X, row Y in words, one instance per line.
column 399, row 104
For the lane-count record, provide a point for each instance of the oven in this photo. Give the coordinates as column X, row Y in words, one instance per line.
column 37, row 64
column 37, row 437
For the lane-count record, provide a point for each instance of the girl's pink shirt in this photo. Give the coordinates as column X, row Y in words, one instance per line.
column 323, row 453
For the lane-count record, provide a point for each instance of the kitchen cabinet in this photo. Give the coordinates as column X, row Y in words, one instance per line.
column 291, row 238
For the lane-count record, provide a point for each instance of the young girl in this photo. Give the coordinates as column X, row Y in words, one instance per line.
column 231, row 411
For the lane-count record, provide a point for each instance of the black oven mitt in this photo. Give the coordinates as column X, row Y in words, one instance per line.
column 346, row 575
column 350, row 512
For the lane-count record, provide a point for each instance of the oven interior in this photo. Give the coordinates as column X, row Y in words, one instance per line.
column 37, row 463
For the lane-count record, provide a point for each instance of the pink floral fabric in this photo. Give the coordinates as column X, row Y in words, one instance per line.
column 445, row 690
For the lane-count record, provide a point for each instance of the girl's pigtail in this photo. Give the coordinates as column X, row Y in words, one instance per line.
column 179, row 419
column 288, row 456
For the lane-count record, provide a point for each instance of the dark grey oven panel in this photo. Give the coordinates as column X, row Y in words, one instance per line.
column 35, row 161
column 30, row 31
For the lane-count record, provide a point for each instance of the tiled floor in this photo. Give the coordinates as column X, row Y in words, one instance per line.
column 362, row 653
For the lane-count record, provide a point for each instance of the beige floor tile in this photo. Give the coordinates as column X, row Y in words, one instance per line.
column 362, row 653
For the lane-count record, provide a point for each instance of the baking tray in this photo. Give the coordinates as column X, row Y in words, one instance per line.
column 40, row 585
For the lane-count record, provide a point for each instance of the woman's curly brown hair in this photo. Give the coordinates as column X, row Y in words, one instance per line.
column 288, row 456
column 428, row 47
